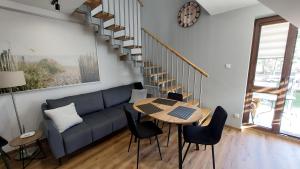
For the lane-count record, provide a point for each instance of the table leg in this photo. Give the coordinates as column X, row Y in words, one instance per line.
column 179, row 126
column 21, row 151
column 41, row 148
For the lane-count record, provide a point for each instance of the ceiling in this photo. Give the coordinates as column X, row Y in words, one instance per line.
column 288, row 9
column 66, row 6
column 214, row 7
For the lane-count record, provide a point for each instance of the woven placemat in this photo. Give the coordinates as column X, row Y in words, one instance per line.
column 167, row 102
column 149, row 108
column 182, row 112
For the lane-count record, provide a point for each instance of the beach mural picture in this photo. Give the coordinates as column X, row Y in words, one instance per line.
column 50, row 71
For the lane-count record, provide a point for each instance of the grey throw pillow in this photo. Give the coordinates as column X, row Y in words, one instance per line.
column 138, row 95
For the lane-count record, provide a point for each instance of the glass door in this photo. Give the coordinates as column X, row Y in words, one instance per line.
column 268, row 72
column 290, row 122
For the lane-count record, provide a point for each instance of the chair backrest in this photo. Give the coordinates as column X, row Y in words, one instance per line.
column 3, row 142
column 138, row 85
column 131, row 122
column 175, row 96
column 217, row 123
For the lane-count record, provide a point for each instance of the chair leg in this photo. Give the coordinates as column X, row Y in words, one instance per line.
column 158, row 147
column 169, row 134
column 130, row 142
column 204, row 147
column 138, row 154
column 186, row 151
column 213, row 156
column 4, row 156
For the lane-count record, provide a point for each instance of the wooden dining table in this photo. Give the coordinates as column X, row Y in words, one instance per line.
column 198, row 117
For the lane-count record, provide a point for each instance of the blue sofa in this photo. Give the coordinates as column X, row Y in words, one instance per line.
column 102, row 113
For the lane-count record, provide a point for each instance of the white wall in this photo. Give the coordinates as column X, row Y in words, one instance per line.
column 288, row 9
column 211, row 43
column 45, row 35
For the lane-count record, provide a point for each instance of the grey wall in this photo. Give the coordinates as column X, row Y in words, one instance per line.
column 18, row 28
column 159, row 17
column 211, row 43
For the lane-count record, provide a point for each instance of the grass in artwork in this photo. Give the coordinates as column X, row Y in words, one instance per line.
column 43, row 72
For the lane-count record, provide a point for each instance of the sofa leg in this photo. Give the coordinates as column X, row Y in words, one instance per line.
column 60, row 161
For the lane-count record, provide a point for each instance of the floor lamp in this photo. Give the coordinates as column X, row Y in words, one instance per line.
column 10, row 80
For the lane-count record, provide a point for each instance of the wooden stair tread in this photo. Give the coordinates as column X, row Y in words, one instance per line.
column 93, row 3
column 136, row 54
column 104, row 16
column 152, row 67
column 132, row 47
column 115, row 28
column 171, row 88
column 79, row 11
column 162, row 81
column 123, row 57
column 186, row 95
column 193, row 102
column 155, row 74
column 124, row 38
column 147, row 63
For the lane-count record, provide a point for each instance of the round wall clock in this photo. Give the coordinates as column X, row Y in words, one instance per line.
column 189, row 14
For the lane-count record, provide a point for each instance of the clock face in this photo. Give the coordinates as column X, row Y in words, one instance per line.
column 189, row 14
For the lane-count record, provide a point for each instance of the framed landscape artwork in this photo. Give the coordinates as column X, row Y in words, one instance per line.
column 51, row 52
column 50, row 71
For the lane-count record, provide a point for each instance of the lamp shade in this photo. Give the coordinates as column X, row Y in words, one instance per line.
column 12, row 79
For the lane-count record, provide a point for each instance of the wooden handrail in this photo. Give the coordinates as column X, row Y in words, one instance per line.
column 176, row 53
column 141, row 3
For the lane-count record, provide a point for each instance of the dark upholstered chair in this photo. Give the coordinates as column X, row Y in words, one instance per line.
column 177, row 97
column 138, row 85
column 206, row 135
column 141, row 130
column 3, row 155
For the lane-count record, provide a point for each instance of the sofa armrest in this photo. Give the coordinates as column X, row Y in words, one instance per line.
column 55, row 140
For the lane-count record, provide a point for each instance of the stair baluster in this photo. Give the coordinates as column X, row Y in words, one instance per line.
column 182, row 77
column 194, row 84
column 133, row 22
column 177, row 80
column 166, row 84
column 188, row 84
column 200, row 92
column 129, row 18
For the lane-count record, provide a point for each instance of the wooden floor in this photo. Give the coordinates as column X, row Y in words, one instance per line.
column 237, row 150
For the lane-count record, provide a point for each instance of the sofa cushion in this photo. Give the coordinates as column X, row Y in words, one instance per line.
column 77, row 137
column 117, row 116
column 117, row 95
column 100, row 124
column 84, row 103
column 138, row 94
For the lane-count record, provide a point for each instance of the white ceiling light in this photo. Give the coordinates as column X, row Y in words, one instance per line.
column 214, row 7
